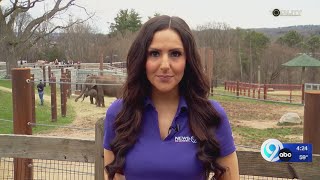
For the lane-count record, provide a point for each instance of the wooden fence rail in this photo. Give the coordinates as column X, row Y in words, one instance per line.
column 91, row 151
column 250, row 89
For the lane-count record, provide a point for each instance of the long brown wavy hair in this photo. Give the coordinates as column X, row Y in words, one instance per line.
column 194, row 86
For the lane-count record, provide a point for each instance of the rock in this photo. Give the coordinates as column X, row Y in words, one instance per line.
column 292, row 118
column 270, row 90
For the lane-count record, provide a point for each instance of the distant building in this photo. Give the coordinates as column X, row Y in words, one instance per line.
column 20, row 62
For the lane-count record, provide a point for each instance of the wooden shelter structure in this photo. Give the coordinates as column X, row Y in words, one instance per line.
column 303, row 61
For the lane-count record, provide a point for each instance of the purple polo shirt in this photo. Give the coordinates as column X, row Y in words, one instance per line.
column 172, row 158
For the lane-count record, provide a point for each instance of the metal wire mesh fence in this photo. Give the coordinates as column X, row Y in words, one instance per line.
column 50, row 170
column 248, row 177
column 65, row 170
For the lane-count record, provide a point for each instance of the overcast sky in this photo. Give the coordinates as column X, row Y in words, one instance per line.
column 236, row 13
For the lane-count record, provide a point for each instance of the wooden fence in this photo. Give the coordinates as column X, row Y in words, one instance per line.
column 260, row 91
column 91, row 151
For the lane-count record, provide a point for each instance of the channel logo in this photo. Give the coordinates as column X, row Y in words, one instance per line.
column 273, row 150
column 270, row 150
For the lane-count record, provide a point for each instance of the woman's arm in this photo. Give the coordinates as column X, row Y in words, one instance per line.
column 108, row 158
column 230, row 162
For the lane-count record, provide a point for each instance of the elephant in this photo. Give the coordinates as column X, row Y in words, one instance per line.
column 112, row 87
column 93, row 95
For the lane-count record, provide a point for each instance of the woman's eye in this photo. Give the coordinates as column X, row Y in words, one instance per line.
column 175, row 54
column 154, row 53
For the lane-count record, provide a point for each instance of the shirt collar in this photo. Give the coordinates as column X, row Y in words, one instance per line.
column 182, row 106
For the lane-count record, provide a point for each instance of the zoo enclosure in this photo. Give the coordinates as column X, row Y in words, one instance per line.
column 292, row 92
column 25, row 149
column 79, row 72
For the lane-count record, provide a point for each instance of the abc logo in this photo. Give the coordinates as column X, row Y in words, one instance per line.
column 270, row 149
column 285, row 154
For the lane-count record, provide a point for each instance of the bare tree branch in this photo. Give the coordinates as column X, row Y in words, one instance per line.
column 50, row 32
column 17, row 37
column 9, row 11
column 25, row 6
column 83, row 9
column 45, row 16
column 57, row 27
column 17, row 9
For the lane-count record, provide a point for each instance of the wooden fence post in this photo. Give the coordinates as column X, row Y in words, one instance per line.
column 49, row 73
column 63, row 95
column 68, row 80
column 44, row 75
column 22, row 116
column 264, row 91
column 311, row 123
column 53, row 99
column 101, row 65
column 302, row 94
column 237, row 89
column 99, row 162
column 33, row 98
column 290, row 98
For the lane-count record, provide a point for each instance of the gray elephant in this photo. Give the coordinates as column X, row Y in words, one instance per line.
column 105, row 86
column 93, row 95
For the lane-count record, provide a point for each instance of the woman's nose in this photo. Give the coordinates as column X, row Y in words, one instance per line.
column 164, row 62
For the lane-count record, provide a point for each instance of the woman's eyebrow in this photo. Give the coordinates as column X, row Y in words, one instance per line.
column 153, row 49
column 176, row 49
column 173, row 49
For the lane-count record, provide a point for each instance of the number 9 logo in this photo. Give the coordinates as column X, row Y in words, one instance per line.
column 270, row 150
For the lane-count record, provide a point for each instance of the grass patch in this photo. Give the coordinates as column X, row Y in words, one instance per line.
column 222, row 98
column 233, row 98
column 47, row 89
column 288, row 124
column 226, row 96
column 5, row 83
column 252, row 136
column 43, row 115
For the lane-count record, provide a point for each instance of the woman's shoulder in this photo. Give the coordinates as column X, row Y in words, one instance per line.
column 217, row 106
column 115, row 107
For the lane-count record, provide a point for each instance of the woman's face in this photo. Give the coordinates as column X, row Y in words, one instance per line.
column 166, row 61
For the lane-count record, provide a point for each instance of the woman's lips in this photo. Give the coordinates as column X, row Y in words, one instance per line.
column 164, row 78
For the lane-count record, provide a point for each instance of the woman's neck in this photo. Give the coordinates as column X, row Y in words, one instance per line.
column 165, row 99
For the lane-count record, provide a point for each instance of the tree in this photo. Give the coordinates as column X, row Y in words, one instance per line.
column 154, row 15
column 254, row 43
column 79, row 43
column 126, row 21
column 313, row 43
column 17, row 37
column 291, row 39
column 271, row 64
column 219, row 37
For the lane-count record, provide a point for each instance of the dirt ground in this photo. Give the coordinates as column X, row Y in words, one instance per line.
column 86, row 116
column 260, row 116
column 253, row 115
column 244, row 114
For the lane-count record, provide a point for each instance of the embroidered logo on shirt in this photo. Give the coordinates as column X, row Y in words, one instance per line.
column 185, row 139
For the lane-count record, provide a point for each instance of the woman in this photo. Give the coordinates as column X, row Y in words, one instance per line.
column 165, row 127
